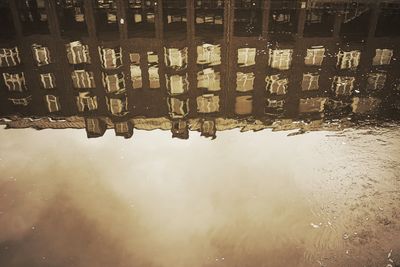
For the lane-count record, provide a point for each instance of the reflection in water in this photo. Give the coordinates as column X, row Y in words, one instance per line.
column 327, row 198
column 203, row 66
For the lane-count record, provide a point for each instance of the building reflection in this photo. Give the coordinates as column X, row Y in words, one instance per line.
column 203, row 65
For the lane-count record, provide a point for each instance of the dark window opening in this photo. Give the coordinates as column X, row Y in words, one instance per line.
column 389, row 20
column 33, row 16
column 6, row 22
column 71, row 15
column 141, row 18
column 319, row 22
column 106, row 19
column 355, row 21
column 283, row 19
column 247, row 18
column 209, row 17
column 174, row 18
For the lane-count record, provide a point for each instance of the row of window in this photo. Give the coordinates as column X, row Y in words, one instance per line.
column 206, row 79
column 207, row 54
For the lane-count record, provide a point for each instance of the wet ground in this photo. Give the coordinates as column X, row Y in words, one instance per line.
column 244, row 199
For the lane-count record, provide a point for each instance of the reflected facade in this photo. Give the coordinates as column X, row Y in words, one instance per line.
column 203, row 65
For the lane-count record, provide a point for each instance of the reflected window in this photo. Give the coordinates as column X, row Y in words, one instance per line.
column 315, row 56
column 348, row 60
column 9, row 57
column 244, row 81
column 246, row 57
column 208, row 128
column 77, row 53
column 208, row 54
column 382, row 57
column 280, row 58
column 376, row 81
column 310, row 82
column 343, row 85
column 180, row 129
column 178, row 108
column 134, row 58
column 207, row 103
column 154, row 77
column 47, row 81
column 114, row 83
column 41, row 54
column 365, row 104
column 177, row 84
column 152, row 58
column 15, row 82
column 209, row 79
column 33, row 16
column 274, row 106
column 124, row 128
column 111, row 58
column 24, row 101
column 82, row 79
column 136, row 76
column 273, row 103
column 117, row 106
column 52, row 103
column 71, row 15
column 312, row 105
column 95, row 127
column 275, row 84
column 243, row 105
column 176, row 58
column 86, row 102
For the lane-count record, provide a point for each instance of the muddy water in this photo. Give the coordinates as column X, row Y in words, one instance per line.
column 245, row 199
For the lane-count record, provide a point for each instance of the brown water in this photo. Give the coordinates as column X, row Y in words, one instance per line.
column 244, row 199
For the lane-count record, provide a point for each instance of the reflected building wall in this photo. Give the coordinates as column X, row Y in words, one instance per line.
column 203, row 60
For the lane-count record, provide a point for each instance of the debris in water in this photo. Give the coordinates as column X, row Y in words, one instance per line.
column 390, row 254
column 315, row 225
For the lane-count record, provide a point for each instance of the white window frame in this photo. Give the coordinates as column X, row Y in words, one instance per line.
column 348, row 60
column 209, row 79
column 83, row 79
column 343, row 85
column 15, row 82
column 246, row 56
column 50, row 77
column 176, row 58
column 313, row 55
column 52, row 100
column 9, row 57
column 280, row 58
column 282, row 84
column 40, row 51
column 242, row 79
column 116, row 56
column 78, row 56
column 382, row 57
